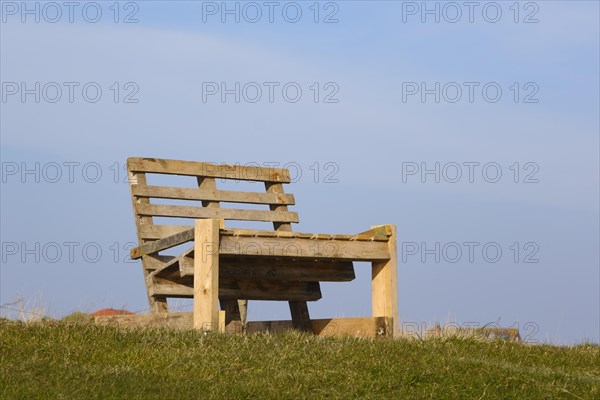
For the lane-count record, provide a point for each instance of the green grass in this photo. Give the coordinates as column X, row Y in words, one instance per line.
column 83, row 361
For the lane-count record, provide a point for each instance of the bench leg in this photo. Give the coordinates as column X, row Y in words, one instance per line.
column 300, row 316
column 384, row 285
column 206, row 274
column 235, row 317
column 158, row 304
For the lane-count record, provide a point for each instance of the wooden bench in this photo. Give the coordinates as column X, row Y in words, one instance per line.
column 230, row 266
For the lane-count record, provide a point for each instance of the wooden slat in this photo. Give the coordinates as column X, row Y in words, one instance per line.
column 163, row 192
column 304, row 248
column 282, row 270
column 171, row 270
column 154, row 262
column 250, row 290
column 162, row 244
column 162, row 210
column 171, row 289
column 194, row 168
column 361, row 327
column 270, row 290
column 258, row 269
column 162, row 231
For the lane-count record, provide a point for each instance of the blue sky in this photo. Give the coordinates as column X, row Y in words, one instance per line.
column 370, row 134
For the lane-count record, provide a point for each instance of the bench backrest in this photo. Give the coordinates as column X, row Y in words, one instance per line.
column 204, row 196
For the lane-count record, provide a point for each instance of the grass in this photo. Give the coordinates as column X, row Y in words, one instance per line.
column 78, row 360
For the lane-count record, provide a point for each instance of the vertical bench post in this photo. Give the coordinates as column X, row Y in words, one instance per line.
column 384, row 285
column 206, row 274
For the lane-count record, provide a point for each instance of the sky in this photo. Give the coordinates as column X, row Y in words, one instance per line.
column 474, row 127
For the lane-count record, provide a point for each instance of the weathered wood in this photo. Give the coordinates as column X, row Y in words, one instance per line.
column 157, row 304
column 206, row 274
column 167, row 288
column 362, row 237
column 210, row 184
column 171, row 269
column 162, row 244
column 244, row 263
column 263, row 268
column 300, row 316
column 298, row 310
column 284, row 270
column 232, row 310
column 249, row 290
column 384, row 284
column 175, row 193
column 304, row 248
column 194, row 168
column 375, row 232
column 162, row 231
column 276, row 269
column 270, row 290
column 163, row 210
column 363, row 327
column 153, row 262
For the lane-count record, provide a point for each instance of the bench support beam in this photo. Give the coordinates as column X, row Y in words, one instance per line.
column 206, row 274
column 384, row 284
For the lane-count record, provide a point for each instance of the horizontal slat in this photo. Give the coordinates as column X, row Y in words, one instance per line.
column 157, row 262
column 249, row 290
column 161, row 210
column 194, row 168
column 269, row 290
column 296, row 271
column 304, row 248
column 366, row 327
column 161, row 231
column 270, row 269
column 175, row 193
column 362, row 327
column 317, row 246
